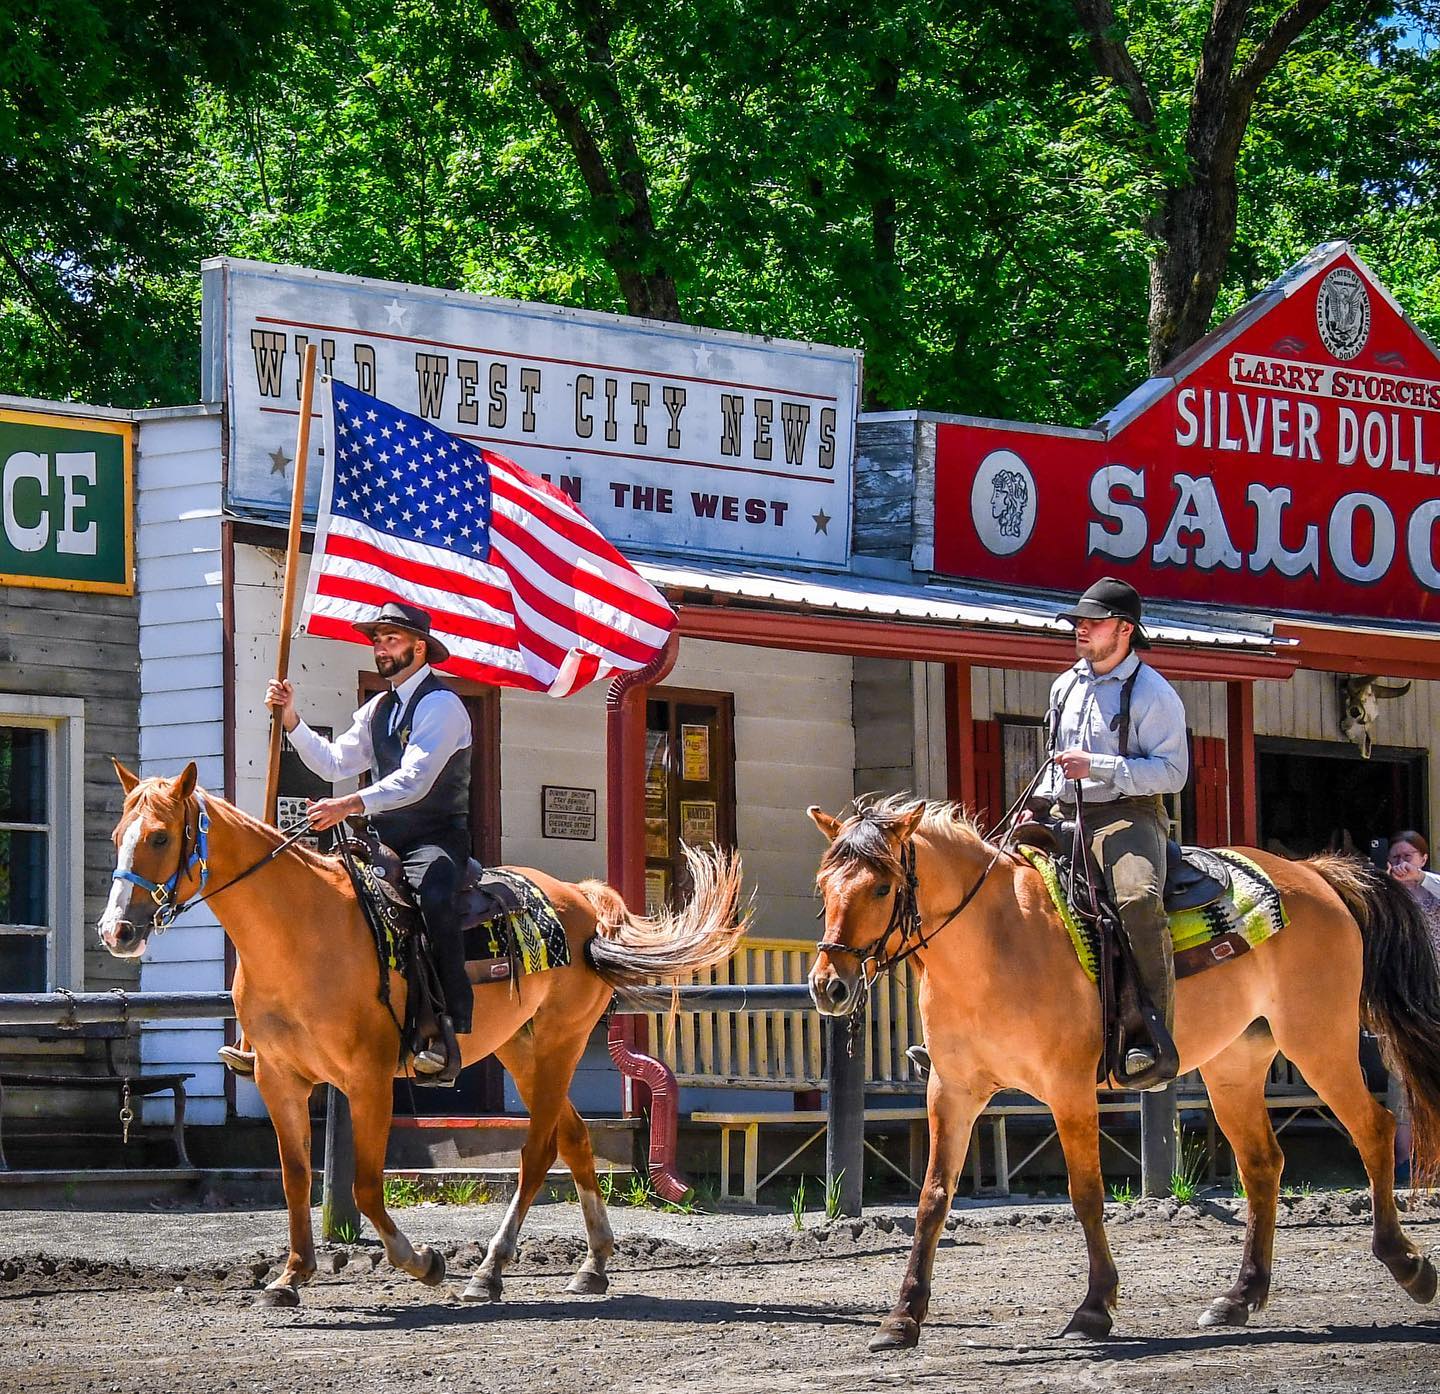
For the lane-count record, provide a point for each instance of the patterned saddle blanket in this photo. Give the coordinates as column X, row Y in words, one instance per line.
column 1250, row 912
column 510, row 925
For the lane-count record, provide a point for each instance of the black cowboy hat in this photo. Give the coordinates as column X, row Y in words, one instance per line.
column 413, row 620
column 1110, row 599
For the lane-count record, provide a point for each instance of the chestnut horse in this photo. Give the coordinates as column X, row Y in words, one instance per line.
column 1005, row 1004
column 306, row 994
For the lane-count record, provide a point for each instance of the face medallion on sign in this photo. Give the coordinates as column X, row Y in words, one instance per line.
column 1342, row 312
column 1002, row 502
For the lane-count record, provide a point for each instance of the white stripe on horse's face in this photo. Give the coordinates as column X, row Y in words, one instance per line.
column 121, row 892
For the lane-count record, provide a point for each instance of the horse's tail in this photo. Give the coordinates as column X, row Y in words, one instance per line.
column 630, row 948
column 1400, row 994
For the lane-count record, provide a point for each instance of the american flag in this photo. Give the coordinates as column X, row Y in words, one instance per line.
column 519, row 584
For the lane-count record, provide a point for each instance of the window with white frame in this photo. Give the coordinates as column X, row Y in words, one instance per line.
column 41, row 837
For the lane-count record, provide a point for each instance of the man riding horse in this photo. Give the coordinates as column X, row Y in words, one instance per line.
column 414, row 741
column 1117, row 734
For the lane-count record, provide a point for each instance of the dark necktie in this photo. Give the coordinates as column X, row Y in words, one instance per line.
column 389, row 705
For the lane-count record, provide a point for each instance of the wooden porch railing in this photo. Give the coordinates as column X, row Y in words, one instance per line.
column 785, row 1050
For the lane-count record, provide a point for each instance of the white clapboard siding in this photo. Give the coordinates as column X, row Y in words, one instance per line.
column 181, row 703
column 784, row 703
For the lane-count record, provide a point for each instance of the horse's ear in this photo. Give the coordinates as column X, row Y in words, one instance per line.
column 905, row 829
column 128, row 779
column 829, row 827
column 185, row 781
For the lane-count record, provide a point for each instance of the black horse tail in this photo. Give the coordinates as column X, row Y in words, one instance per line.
column 1400, row 994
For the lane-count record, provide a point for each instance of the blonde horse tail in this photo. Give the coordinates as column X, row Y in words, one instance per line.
column 629, row 949
column 1400, row 996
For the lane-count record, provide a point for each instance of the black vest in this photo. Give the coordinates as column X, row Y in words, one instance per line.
column 444, row 813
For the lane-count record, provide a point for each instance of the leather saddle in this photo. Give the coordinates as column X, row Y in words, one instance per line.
column 483, row 894
column 1194, row 876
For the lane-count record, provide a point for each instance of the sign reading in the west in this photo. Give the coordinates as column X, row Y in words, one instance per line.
column 669, row 437
column 1290, row 461
column 66, row 519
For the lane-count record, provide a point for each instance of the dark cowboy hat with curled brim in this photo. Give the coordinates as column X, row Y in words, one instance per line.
column 413, row 620
column 1110, row 599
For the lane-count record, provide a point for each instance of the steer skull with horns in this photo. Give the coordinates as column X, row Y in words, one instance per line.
column 1360, row 698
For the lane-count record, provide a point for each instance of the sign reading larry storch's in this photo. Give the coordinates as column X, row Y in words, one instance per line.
column 1291, row 463
column 66, row 520
column 669, row 437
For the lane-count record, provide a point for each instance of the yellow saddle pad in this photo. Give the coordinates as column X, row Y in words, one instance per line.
column 1249, row 914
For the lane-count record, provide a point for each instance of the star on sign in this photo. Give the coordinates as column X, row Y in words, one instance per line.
column 395, row 314
column 822, row 522
column 279, row 460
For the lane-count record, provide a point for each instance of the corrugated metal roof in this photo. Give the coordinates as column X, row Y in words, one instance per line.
column 939, row 603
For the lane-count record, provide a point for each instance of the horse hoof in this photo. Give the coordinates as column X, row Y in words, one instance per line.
column 1422, row 1286
column 482, row 1289
column 278, row 1297
column 1224, row 1311
column 896, row 1334
column 434, row 1273
column 1088, row 1323
column 588, row 1284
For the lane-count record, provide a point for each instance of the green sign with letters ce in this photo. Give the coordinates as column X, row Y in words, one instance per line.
column 66, row 503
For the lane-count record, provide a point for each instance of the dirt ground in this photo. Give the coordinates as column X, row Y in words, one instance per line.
column 163, row 1301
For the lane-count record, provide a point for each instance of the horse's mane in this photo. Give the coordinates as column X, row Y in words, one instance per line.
column 865, row 838
column 159, row 785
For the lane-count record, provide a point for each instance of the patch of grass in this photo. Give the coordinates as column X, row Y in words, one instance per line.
column 465, row 1192
column 1123, row 1193
column 1299, row 1192
column 1185, row 1183
column 606, row 1180
column 832, row 1195
column 402, row 1191
column 797, row 1205
column 346, row 1233
column 639, row 1193
column 684, row 1206
column 1238, row 1188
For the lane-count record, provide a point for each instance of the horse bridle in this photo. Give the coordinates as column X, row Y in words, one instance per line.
column 163, row 892
column 905, row 917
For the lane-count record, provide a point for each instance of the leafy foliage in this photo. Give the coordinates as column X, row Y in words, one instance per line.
column 956, row 189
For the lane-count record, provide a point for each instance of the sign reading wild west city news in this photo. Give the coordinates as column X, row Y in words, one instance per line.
column 670, row 438
column 1291, row 462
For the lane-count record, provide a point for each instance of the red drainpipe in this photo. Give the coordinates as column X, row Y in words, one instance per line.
column 645, row 1080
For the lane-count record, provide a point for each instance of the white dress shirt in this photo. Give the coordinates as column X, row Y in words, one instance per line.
column 441, row 726
column 1159, row 759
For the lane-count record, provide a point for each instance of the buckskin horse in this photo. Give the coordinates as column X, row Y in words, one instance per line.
column 306, row 993
column 1005, row 1003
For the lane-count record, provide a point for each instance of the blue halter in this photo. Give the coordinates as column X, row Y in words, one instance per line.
column 163, row 893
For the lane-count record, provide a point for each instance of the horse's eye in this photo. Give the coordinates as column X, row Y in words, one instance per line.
column 159, row 839
column 882, row 890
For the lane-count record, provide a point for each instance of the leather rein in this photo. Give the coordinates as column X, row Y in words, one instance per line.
column 905, row 917
column 195, row 852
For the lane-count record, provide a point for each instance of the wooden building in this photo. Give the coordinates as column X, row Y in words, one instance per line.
column 69, row 700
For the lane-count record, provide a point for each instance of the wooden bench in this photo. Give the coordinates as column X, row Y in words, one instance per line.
column 749, row 1125
column 114, row 1081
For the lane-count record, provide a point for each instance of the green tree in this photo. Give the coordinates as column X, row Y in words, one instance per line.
column 99, row 209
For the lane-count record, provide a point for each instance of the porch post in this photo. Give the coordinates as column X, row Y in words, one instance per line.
column 644, row 1081
column 959, row 735
column 1244, row 786
column 845, row 1112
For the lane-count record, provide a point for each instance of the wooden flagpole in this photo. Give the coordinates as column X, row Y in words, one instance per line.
column 292, row 561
